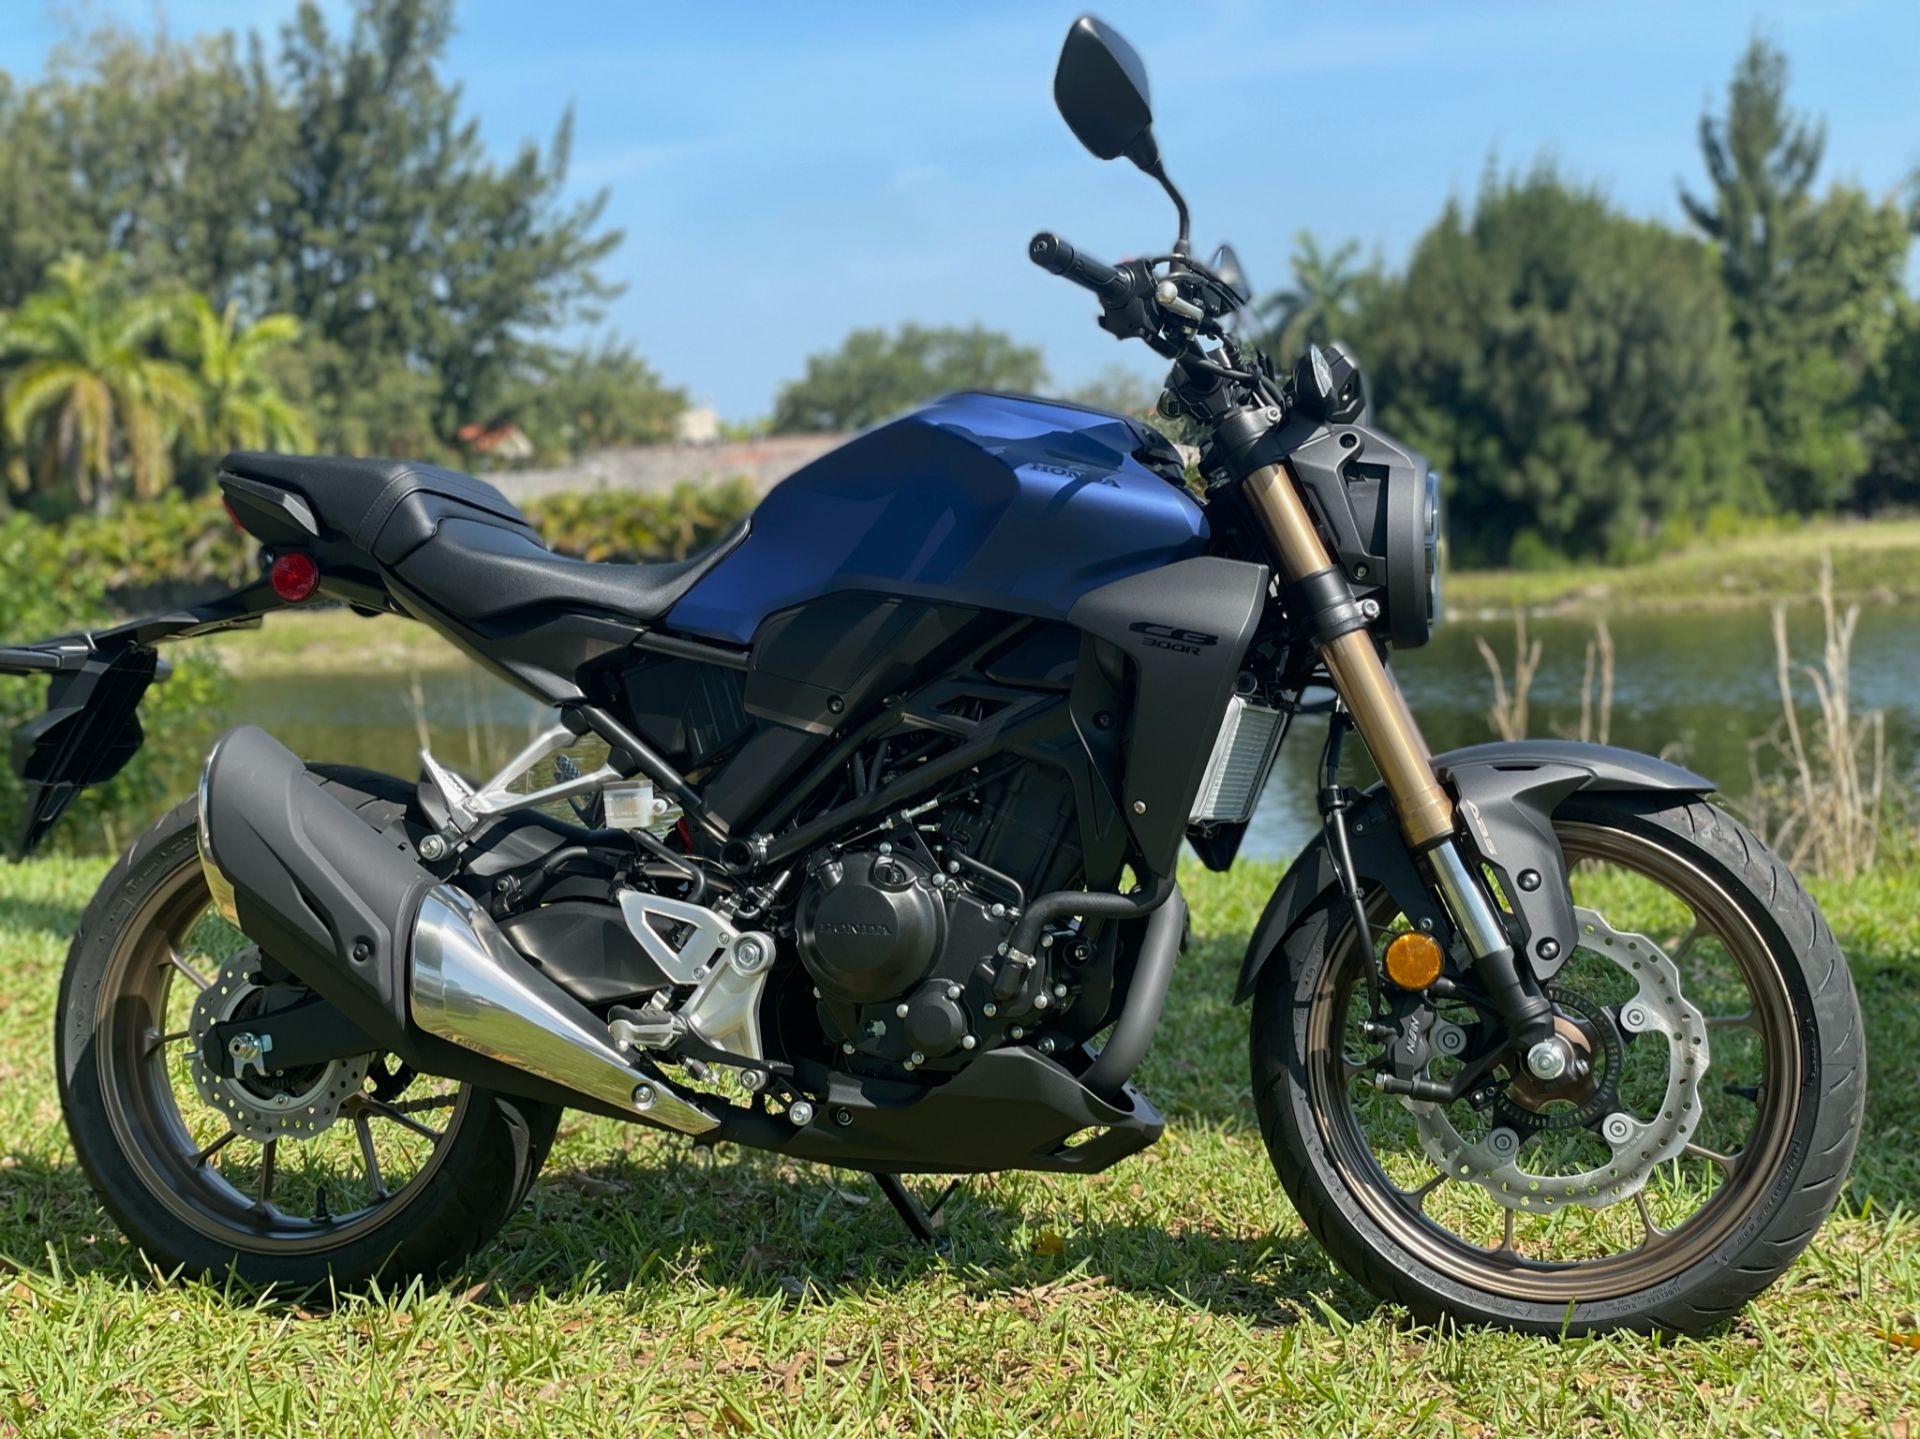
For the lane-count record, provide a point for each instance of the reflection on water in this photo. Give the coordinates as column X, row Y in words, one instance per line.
column 1696, row 687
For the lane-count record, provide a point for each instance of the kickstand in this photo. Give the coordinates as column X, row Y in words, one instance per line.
column 922, row 1222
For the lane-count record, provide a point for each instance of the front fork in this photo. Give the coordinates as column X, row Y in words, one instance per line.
column 1387, row 727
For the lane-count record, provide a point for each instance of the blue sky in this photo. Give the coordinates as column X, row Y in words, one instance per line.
column 786, row 172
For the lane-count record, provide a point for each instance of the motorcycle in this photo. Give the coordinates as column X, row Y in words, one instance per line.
column 851, row 837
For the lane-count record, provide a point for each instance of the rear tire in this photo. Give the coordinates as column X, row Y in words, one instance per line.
column 473, row 1178
column 1770, row 1215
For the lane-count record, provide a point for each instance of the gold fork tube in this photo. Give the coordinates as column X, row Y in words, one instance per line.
column 1387, row 727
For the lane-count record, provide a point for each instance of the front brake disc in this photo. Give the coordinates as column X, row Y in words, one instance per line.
column 1638, row 1146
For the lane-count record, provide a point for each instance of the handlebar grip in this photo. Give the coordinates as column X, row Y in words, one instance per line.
column 1057, row 257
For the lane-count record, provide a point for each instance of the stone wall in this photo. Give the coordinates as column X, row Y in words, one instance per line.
column 661, row 467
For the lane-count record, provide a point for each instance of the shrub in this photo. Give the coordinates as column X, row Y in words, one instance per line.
column 632, row 526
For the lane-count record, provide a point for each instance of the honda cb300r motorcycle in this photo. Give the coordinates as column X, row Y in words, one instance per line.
column 854, row 839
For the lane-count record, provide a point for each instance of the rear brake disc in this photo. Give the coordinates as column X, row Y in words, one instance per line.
column 259, row 1101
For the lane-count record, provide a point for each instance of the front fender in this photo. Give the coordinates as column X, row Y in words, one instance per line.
column 1508, row 792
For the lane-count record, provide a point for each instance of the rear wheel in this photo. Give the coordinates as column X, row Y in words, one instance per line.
column 1701, row 1140
column 342, row 1172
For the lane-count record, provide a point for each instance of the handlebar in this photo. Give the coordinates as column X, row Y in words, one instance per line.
column 1057, row 257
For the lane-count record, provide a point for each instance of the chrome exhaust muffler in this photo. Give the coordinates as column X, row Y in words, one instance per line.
column 470, row 986
column 408, row 959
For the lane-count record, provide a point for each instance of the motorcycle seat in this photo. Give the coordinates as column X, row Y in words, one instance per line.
column 462, row 545
column 361, row 500
column 480, row 571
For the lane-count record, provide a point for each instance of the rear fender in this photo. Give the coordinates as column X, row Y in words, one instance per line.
column 1508, row 792
column 95, row 682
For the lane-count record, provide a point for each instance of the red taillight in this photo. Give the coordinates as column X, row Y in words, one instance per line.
column 294, row 576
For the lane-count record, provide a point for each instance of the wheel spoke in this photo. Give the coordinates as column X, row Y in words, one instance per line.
column 1505, row 1246
column 1687, row 942
column 265, row 1189
column 1654, row 1231
column 370, row 1105
column 179, row 962
column 1723, row 1162
column 214, row 1148
column 363, row 1127
column 1419, row 1196
column 155, row 1039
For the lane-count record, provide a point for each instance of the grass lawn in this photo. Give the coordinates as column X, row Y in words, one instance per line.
column 647, row 1289
column 1877, row 560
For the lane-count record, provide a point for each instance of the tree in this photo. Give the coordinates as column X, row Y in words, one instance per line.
column 1119, row 391
column 333, row 177
column 241, row 407
column 394, row 235
column 1566, row 368
column 92, row 396
column 1894, row 474
column 1812, row 285
column 874, row 375
column 592, row 399
column 167, row 154
column 1328, row 297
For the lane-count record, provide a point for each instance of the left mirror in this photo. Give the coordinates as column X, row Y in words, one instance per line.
column 1101, row 89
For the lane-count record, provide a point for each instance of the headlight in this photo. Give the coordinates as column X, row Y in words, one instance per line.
column 1436, row 547
column 1412, row 551
column 1379, row 507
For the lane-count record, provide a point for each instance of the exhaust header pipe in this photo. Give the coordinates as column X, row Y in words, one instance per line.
column 413, row 962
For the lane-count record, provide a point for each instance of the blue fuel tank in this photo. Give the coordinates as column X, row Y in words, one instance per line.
column 1000, row 502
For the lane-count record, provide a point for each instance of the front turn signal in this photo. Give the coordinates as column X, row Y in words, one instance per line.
column 1413, row 960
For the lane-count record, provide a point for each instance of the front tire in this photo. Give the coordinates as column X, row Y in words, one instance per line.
column 410, row 1177
column 1697, row 1237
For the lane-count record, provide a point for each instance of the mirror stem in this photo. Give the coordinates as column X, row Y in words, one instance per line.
column 1182, row 246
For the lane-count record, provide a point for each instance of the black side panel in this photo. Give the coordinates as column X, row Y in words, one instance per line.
column 1184, row 629
column 772, row 758
column 315, row 888
column 818, row 664
column 687, row 710
column 587, row 950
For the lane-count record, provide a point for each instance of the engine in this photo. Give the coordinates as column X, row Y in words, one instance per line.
column 905, row 938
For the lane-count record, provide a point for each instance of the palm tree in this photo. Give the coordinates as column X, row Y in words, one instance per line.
column 92, row 396
column 1329, row 293
column 240, row 406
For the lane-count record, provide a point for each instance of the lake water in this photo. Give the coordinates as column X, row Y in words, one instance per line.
column 1697, row 687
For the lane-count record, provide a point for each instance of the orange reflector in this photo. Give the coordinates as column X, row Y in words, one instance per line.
column 1413, row 960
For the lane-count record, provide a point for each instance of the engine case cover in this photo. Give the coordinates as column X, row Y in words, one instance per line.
column 870, row 926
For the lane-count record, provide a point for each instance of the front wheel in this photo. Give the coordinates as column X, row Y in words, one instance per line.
column 1694, row 1148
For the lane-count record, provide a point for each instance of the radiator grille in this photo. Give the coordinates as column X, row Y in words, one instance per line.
column 1237, row 770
